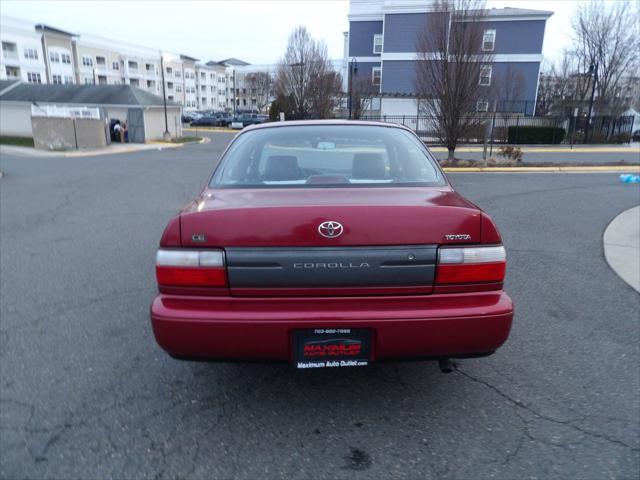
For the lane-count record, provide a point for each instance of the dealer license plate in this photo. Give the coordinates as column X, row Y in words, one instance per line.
column 332, row 347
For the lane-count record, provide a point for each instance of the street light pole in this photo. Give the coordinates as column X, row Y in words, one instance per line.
column 166, row 134
column 353, row 69
column 593, row 70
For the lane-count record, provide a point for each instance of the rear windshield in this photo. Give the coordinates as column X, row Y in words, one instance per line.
column 326, row 156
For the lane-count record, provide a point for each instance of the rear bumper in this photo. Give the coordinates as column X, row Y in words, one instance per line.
column 231, row 328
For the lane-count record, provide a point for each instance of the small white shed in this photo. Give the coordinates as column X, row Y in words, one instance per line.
column 143, row 111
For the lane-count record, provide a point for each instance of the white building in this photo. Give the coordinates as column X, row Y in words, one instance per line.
column 22, row 56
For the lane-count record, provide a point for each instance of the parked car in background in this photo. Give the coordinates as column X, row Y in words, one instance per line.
column 206, row 121
column 224, row 119
column 330, row 244
column 245, row 119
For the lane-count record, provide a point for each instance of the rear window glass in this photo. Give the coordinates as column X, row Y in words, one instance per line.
column 326, row 156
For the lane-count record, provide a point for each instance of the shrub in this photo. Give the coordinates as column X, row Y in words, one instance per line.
column 14, row 140
column 530, row 135
column 513, row 153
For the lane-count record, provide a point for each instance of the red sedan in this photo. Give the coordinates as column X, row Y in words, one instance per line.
column 329, row 244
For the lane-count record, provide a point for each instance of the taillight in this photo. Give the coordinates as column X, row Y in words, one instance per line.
column 191, row 268
column 471, row 265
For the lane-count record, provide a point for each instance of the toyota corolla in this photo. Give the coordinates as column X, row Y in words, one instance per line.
column 330, row 244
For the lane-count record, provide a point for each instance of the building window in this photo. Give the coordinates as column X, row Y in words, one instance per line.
column 87, row 61
column 68, row 79
column 31, row 53
column 34, row 77
column 57, row 79
column 133, row 65
column 134, row 82
column 169, row 70
column 482, row 105
column 170, row 85
column 9, row 50
column 100, row 61
column 485, row 75
column 115, row 65
column 178, row 89
column 170, row 98
column 54, row 57
column 489, row 40
column 376, row 75
column 377, row 43
column 66, row 58
column 177, row 75
column 12, row 72
column 88, row 80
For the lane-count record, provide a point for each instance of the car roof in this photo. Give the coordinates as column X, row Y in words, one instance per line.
column 307, row 123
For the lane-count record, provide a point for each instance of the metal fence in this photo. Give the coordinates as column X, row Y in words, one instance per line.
column 495, row 128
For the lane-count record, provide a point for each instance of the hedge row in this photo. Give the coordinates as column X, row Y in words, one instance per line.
column 532, row 135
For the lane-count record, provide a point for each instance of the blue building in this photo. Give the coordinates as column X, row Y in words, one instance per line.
column 382, row 40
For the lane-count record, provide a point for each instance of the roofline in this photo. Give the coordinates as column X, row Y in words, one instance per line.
column 10, row 87
column 47, row 28
column 85, row 104
column 187, row 57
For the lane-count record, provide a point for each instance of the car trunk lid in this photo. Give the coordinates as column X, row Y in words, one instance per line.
column 273, row 245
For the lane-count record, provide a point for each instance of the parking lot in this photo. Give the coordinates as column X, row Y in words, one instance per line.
column 86, row 393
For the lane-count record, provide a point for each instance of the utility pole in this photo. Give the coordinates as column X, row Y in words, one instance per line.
column 166, row 135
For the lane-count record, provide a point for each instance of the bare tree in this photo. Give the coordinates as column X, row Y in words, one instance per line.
column 306, row 76
column 261, row 88
column 606, row 35
column 564, row 86
column 450, row 65
column 362, row 92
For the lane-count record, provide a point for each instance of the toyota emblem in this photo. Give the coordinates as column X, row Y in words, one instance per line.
column 330, row 229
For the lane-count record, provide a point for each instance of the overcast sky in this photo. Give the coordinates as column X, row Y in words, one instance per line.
column 254, row 31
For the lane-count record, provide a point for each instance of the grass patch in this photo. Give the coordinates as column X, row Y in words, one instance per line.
column 186, row 139
column 18, row 141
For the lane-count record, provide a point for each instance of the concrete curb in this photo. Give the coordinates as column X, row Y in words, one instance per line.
column 96, row 153
column 32, row 152
column 586, row 169
column 621, row 242
column 210, row 129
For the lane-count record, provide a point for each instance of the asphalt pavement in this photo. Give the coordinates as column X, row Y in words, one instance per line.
column 86, row 393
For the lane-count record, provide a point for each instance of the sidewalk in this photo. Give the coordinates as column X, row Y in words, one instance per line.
column 111, row 149
column 622, row 246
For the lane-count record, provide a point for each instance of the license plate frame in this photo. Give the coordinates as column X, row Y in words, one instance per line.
column 332, row 347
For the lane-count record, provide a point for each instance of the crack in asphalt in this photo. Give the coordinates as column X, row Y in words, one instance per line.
column 537, row 414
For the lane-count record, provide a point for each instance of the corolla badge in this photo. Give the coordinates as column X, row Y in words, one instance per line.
column 330, row 229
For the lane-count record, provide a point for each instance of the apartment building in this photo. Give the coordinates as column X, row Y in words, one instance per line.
column 46, row 54
column 22, row 55
column 382, row 41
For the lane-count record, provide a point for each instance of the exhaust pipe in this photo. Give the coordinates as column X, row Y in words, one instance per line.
column 446, row 366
